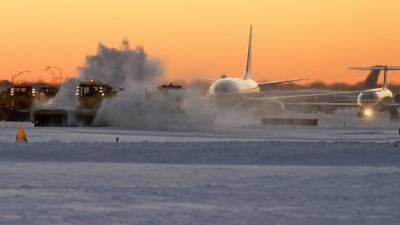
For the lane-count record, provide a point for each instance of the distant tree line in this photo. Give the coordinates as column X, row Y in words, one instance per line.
column 5, row 84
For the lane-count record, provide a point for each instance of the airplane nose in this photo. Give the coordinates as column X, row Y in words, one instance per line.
column 368, row 98
column 224, row 88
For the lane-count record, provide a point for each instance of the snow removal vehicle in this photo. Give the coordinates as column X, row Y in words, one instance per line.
column 173, row 96
column 45, row 93
column 16, row 102
column 90, row 95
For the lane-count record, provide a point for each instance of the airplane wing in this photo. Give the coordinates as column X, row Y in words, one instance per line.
column 206, row 81
column 392, row 105
column 316, row 104
column 303, row 96
column 339, row 104
column 261, row 85
column 280, row 82
column 382, row 67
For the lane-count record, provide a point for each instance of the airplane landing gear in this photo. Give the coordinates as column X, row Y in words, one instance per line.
column 360, row 114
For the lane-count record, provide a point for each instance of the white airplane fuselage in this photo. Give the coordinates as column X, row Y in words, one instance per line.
column 375, row 97
column 233, row 86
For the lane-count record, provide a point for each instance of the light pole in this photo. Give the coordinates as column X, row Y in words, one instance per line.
column 52, row 74
column 17, row 75
column 48, row 68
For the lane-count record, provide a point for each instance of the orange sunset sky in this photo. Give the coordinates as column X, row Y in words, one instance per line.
column 292, row 38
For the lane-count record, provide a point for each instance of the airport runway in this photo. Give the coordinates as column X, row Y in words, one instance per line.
column 388, row 132
column 302, row 134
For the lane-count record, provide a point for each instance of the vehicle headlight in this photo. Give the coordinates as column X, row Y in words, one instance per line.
column 368, row 112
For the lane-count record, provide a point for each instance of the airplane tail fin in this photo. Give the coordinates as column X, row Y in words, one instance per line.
column 247, row 71
column 372, row 79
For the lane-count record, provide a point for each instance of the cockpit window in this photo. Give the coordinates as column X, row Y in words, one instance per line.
column 369, row 97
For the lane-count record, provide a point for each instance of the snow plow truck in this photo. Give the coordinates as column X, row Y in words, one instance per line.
column 90, row 95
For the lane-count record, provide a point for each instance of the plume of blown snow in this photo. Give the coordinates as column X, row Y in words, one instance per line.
column 65, row 97
column 134, row 107
column 121, row 68
column 155, row 111
column 140, row 105
column 125, row 68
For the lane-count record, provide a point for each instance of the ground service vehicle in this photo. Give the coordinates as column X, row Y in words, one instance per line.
column 16, row 103
column 90, row 95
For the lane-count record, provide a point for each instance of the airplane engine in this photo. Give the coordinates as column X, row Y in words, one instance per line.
column 394, row 113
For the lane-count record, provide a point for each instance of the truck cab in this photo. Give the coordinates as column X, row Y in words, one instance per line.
column 18, row 97
column 92, row 93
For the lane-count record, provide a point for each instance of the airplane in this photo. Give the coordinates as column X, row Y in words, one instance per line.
column 228, row 86
column 370, row 100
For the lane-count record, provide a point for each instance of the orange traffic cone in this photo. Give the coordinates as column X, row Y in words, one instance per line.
column 21, row 136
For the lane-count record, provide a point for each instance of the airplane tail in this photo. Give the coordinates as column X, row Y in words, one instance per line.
column 379, row 68
column 247, row 71
column 372, row 79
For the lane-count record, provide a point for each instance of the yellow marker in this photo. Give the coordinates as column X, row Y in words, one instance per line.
column 21, row 136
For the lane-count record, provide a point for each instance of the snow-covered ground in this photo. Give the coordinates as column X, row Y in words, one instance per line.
column 345, row 171
column 98, row 193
